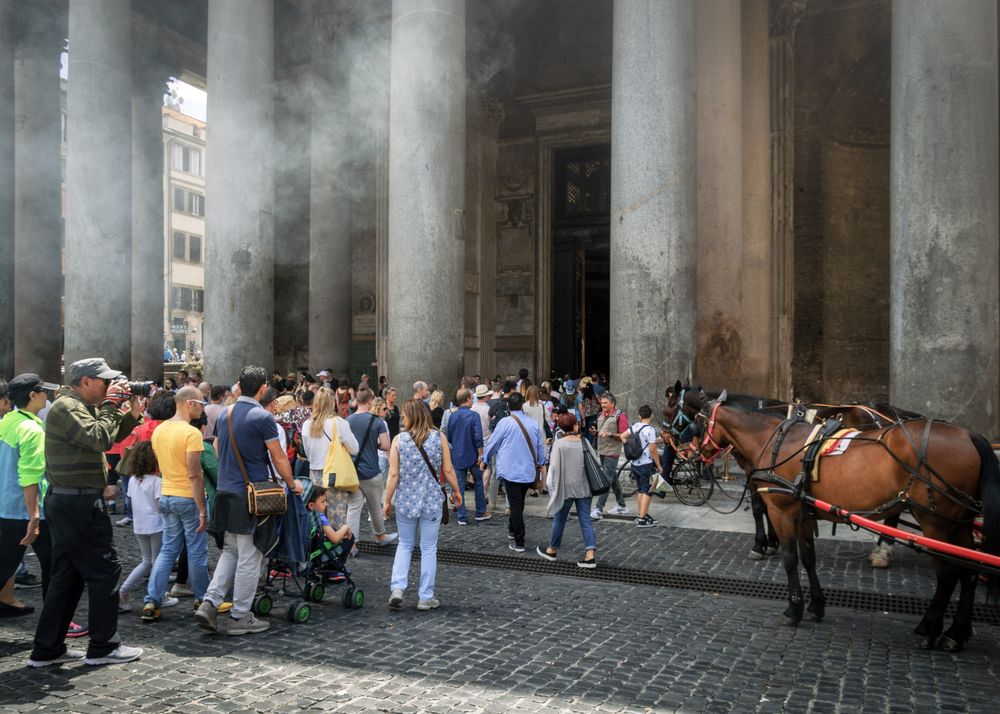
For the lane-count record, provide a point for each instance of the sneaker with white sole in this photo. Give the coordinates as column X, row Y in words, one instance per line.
column 431, row 604
column 389, row 539
column 122, row 654
column 619, row 511
column 126, row 521
column 396, row 599
column 516, row 548
column 596, row 515
column 67, row 656
column 206, row 615
column 544, row 552
column 168, row 601
column 180, row 590
column 484, row 517
column 248, row 625
column 124, row 602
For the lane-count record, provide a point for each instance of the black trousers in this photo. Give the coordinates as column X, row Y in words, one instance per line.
column 83, row 554
column 515, row 497
column 11, row 550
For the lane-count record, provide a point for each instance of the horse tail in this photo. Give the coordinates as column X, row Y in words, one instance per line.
column 989, row 490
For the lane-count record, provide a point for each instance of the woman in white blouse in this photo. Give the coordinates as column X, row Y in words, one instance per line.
column 317, row 434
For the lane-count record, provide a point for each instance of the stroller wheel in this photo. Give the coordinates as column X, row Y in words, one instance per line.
column 316, row 592
column 348, row 598
column 299, row 611
column 359, row 598
column 262, row 605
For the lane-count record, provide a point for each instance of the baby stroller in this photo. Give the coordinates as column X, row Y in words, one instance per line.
column 303, row 563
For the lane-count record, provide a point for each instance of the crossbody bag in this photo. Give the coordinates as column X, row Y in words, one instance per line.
column 263, row 499
column 434, row 476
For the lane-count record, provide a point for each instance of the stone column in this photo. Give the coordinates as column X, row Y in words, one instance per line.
column 239, row 295
column 329, row 198
column 147, row 222
column 756, row 273
column 6, row 189
column 38, row 200
column 98, row 262
column 944, row 327
column 653, row 198
column 426, row 191
column 784, row 18
column 720, row 186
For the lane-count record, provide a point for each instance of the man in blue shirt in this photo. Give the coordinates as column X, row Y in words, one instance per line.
column 517, row 444
column 238, row 569
column 465, row 436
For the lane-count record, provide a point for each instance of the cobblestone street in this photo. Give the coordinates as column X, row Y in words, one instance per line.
column 506, row 640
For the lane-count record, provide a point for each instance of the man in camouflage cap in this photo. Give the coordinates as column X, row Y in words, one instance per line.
column 87, row 417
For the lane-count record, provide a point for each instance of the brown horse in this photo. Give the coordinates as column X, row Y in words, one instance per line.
column 936, row 469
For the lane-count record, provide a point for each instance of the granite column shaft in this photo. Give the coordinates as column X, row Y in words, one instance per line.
column 6, row 189
column 944, row 320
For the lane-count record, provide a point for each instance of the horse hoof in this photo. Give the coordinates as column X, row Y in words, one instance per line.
column 756, row 555
column 948, row 644
column 878, row 560
column 771, row 550
column 922, row 642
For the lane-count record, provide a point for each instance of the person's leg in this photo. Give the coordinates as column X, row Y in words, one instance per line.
column 248, row 564
column 144, row 567
column 643, row 479
column 372, row 490
column 225, row 572
column 173, row 539
column 492, row 480
column 610, row 466
column 407, row 528
column 586, row 526
column 128, row 501
column 355, row 502
column 197, row 548
column 515, row 496
column 559, row 524
column 43, row 549
column 428, row 556
column 11, row 552
column 182, row 565
column 477, row 485
column 460, row 511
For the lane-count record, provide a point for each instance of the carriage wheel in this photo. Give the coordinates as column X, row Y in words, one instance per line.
column 348, row 598
column 693, row 484
column 299, row 612
column 626, row 480
column 262, row 605
column 316, row 592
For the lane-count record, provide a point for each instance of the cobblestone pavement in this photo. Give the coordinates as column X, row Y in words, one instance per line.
column 505, row 640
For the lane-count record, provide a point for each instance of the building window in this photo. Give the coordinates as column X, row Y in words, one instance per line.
column 178, row 199
column 583, row 184
column 198, row 298
column 188, row 202
column 187, row 299
column 194, row 249
column 187, row 247
column 196, row 204
column 62, row 128
column 187, row 159
column 180, row 246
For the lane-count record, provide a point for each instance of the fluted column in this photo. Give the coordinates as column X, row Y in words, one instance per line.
column 239, row 295
column 653, row 198
column 944, row 322
column 6, row 189
column 98, row 268
column 329, row 196
column 426, row 191
column 147, row 223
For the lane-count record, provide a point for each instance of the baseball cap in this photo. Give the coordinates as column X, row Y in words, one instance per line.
column 91, row 367
column 23, row 384
column 569, row 386
column 324, row 373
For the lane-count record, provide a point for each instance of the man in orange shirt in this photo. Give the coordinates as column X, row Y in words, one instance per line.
column 178, row 447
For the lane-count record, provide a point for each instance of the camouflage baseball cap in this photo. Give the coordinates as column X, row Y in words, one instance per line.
column 91, row 367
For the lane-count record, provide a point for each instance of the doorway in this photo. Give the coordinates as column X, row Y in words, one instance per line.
column 581, row 233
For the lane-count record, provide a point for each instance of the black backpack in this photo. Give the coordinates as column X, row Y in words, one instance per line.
column 498, row 410
column 633, row 445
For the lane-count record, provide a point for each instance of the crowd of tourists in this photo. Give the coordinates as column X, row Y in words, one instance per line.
column 181, row 457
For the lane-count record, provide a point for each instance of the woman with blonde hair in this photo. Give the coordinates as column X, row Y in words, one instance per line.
column 317, row 437
column 436, row 404
column 417, row 455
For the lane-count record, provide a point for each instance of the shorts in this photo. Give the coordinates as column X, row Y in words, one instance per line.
column 643, row 476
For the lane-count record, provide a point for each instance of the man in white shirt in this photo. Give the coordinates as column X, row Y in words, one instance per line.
column 644, row 467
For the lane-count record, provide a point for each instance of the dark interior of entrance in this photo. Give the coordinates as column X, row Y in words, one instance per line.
column 581, row 232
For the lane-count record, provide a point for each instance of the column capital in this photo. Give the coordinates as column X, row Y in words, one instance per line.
column 784, row 17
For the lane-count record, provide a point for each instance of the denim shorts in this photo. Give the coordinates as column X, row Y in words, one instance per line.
column 643, row 476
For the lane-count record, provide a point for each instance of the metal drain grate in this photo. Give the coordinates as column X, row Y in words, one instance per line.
column 874, row 602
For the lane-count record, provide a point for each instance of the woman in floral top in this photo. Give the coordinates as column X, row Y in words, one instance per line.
column 415, row 491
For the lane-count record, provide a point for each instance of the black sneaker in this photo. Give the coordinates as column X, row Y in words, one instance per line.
column 545, row 553
column 645, row 522
column 589, row 564
column 651, row 519
column 27, row 580
column 516, row 548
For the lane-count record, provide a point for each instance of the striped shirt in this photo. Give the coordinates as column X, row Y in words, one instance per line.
column 76, row 437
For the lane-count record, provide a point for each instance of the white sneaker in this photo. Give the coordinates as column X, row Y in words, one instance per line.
column 596, row 515
column 124, row 602
column 619, row 511
column 126, row 521
column 248, row 625
column 180, row 590
column 396, row 599
column 67, row 656
column 431, row 604
column 168, row 601
column 123, row 654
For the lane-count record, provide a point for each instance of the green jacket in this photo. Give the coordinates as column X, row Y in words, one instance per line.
column 22, row 462
column 76, row 437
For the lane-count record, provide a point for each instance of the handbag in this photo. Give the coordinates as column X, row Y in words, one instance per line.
column 267, row 498
column 596, row 477
column 339, row 466
column 444, row 506
column 531, row 448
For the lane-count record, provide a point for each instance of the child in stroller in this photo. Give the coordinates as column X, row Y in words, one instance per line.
column 311, row 553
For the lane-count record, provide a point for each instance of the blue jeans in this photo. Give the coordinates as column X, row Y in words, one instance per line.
column 610, row 466
column 586, row 525
column 407, row 528
column 477, row 480
column 180, row 521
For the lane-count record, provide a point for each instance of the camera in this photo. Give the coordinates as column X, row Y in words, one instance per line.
column 140, row 389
